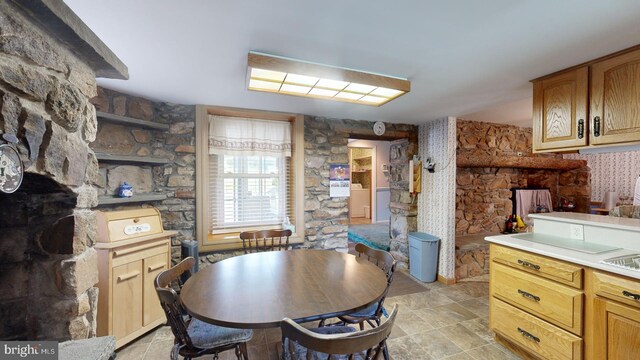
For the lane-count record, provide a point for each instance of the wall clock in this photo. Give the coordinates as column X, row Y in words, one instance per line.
column 378, row 128
column 11, row 169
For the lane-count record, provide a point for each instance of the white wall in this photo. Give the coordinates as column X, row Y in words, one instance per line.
column 617, row 171
column 437, row 201
column 381, row 191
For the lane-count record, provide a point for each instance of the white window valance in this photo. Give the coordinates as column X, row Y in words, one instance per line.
column 248, row 137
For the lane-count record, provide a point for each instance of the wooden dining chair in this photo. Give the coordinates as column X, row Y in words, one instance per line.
column 385, row 261
column 335, row 342
column 194, row 338
column 265, row 240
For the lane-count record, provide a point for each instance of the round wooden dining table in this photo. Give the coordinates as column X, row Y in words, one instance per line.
column 258, row 290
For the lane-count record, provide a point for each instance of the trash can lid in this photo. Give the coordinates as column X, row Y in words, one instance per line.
column 423, row 236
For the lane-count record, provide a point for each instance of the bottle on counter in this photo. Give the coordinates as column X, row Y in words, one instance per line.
column 508, row 225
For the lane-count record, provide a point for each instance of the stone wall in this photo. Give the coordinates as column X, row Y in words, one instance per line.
column 48, row 267
column 325, row 143
column 176, row 180
column 483, row 195
column 403, row 206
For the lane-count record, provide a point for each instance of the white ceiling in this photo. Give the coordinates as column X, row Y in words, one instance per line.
column 462, row 57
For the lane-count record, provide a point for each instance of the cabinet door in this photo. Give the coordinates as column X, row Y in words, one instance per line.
column 560, row 111
column 127, row 299
column 615, row 99
column 617, row 331
column 153, row 266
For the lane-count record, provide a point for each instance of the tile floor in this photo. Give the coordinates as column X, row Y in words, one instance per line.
column 438, row 322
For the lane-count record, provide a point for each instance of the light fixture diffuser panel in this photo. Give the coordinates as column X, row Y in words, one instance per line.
column 277, row 74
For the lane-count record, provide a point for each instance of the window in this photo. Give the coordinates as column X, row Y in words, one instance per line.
column 246, row 175
column 248, row 191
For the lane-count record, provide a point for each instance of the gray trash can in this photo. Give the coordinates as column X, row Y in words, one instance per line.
column 423, row 256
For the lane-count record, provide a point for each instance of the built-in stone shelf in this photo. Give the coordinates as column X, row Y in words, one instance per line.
column 113, row 200
column 127, row 121
column 519, row 162
column 125, row 159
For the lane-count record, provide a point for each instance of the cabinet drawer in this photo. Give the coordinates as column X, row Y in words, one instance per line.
column 556, row 303
column 533, row 334
column 617, row 288
column 555, row 270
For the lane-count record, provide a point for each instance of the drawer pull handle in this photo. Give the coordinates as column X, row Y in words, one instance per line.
column 128, row 276
column 631, row 295
column 156, row 267
column 528, row 295
column 528, row 335
column 528, row 264
column 136, row 220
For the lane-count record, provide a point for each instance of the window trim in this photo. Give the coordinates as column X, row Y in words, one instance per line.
column 231, row 240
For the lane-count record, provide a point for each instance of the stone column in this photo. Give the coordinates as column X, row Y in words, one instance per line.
column 404, row 209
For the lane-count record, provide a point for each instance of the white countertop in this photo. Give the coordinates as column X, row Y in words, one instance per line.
column 577, row 257
column 591, row 219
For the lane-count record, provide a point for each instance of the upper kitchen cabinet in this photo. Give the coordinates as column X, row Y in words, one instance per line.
column 592, row 105
column 615, row 99
column 560, row 107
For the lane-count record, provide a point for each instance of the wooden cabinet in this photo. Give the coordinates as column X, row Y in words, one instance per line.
column 615, row 99
column 592, row 105
column 548, row 300
column 152, row 266
column 535, row 335
column 127, row 292
column 532, row 310
column 560, row 106
column 132, row 250
column 556, row 270
column 616, row 314
column 540, row 308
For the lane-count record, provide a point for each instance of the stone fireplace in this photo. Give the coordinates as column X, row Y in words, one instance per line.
column 48, row 268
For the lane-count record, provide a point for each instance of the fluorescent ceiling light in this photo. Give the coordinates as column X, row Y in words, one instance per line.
column 296, row 89
column 348, row 95
column 373, row 99
column 263, row 85
column 323, row 92
column 277, row 74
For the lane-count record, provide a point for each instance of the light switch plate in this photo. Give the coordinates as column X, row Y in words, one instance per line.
column 576, row 231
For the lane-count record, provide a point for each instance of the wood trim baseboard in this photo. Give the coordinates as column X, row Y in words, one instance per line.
column 446, row 281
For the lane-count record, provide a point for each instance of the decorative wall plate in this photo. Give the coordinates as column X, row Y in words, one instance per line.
column 11, row 169
column 378, row 128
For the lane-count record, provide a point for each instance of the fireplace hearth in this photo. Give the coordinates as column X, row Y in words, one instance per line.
column 48, row 267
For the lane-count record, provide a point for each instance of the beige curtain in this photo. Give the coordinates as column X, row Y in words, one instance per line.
column 248, row 137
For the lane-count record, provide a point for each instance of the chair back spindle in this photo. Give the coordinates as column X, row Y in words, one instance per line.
column 369, row 343
column 265, row 240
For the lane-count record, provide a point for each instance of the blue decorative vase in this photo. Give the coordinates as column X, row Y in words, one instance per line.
column 125, row 190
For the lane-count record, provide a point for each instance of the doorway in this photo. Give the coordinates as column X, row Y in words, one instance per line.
column 361, row 189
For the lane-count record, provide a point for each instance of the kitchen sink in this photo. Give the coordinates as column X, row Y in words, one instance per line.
column 629, row 262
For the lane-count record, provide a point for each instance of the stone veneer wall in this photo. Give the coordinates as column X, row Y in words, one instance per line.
column 48, row 268
column 436, row 202
column 176, row 179
column 325, row 143
column 483, row 195
column 402, row 205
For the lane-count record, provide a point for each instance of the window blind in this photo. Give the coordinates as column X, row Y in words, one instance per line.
column 249, row 190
